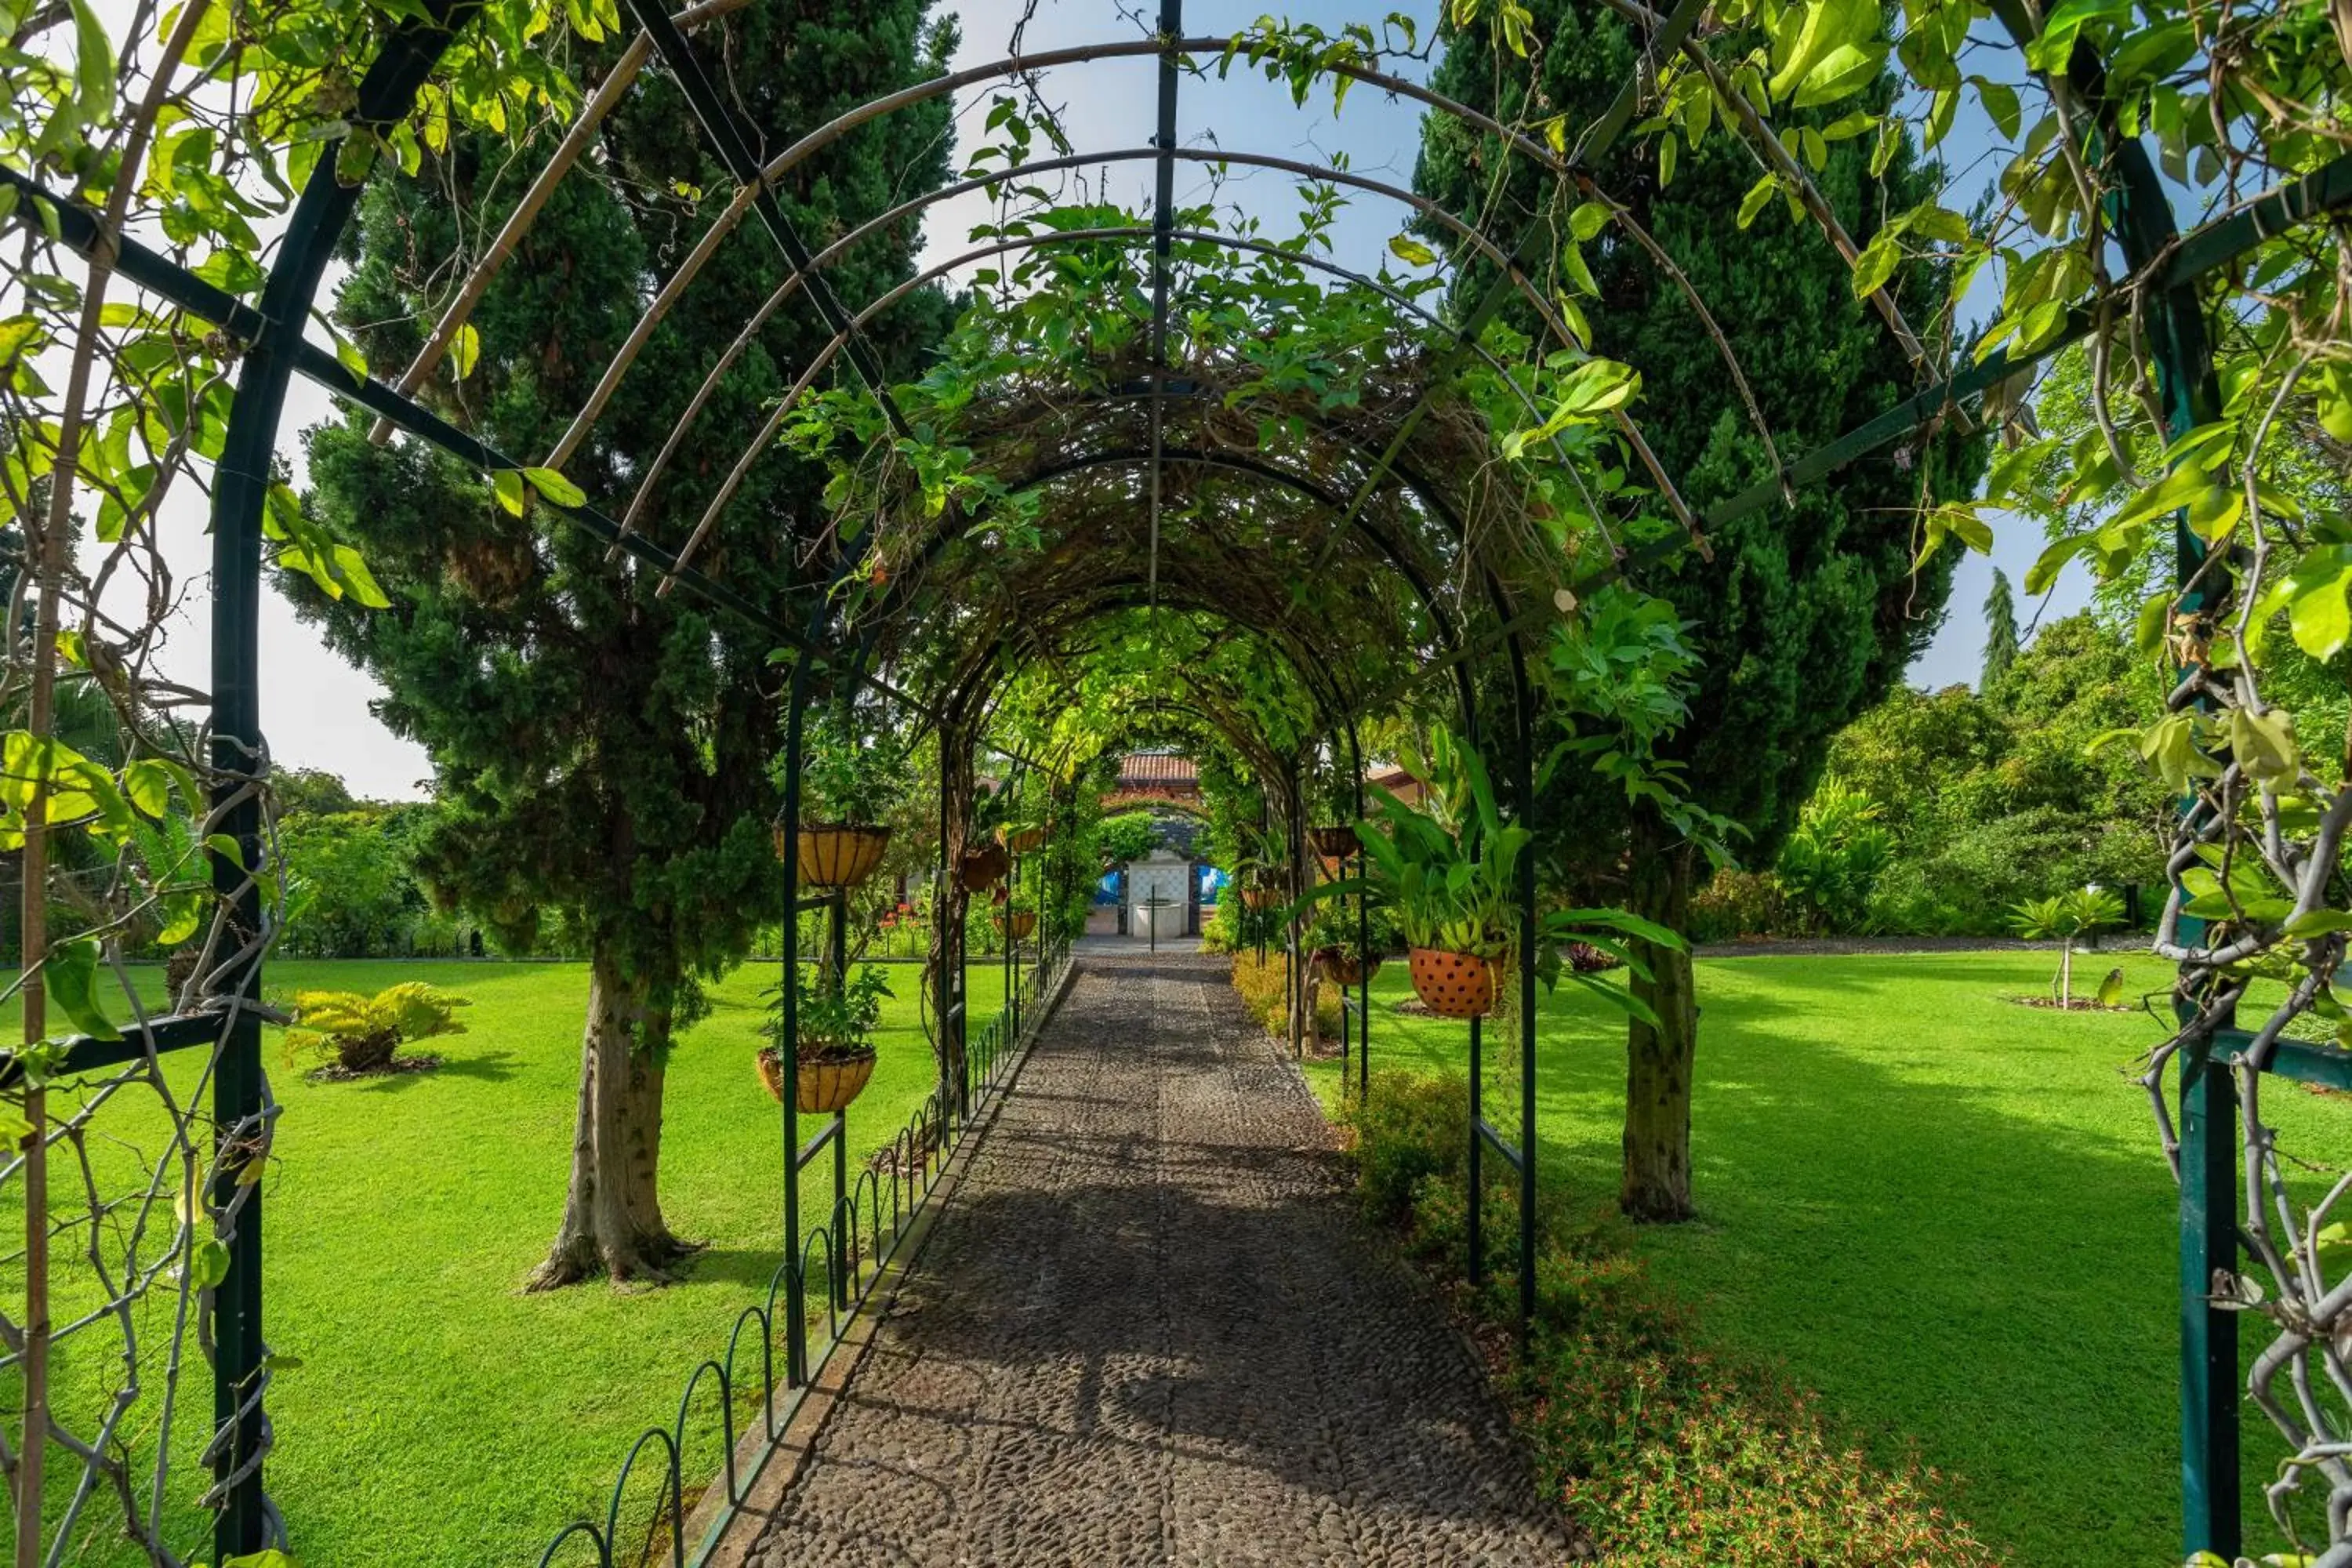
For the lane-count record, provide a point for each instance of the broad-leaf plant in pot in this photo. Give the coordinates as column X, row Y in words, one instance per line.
column 849, row 782
column 834, row 1028
column 1447, row 869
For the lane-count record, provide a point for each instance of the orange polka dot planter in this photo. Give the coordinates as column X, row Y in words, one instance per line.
column 1454, row 984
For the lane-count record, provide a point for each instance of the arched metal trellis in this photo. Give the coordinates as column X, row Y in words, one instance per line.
column 270, row 336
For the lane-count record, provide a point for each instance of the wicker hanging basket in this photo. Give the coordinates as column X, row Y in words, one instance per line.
column 982, row 867
column 823, row 1087
column 1026, row 841
column 1020, row 923
column 1342, row 970
column 1454, row 984
column 1333, row 843
column 836, row 855
column 1258, row 897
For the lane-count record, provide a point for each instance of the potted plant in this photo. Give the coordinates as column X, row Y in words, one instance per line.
column 982, row 867
column 1334, row 843
column 1256, row 865
column 848, row 784
column 834, row 1030
column 1335, row 952
column 1447, row 868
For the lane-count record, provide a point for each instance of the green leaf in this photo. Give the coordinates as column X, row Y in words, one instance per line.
column 70, row 974
column 1587, row 220
column 1411, row 251
column 1571, row 262
column 551, row 483
column 507, row 485
column 1876, row 265
column 465, row 348
column 1757, row 195
column 93, row 65
column 208, row 1264
column 1843, row 72
column 147, row 784
column 2264, row 744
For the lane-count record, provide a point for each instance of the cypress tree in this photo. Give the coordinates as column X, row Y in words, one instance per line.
column 601, row 752
column 2000, row 632
column 1807, row 614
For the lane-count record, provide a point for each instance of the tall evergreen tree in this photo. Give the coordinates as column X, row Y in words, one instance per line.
column 603, row 752
column 1806, row 614
column 2000, row 631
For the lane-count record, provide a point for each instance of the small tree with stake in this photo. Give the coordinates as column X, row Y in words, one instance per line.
column 2066, row 920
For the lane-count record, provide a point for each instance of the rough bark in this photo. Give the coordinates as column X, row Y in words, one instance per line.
column 612, row 1214
column 1659, row 1057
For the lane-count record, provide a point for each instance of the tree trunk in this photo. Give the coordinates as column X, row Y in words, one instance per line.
column 1659, row 1058
column 611, row 1215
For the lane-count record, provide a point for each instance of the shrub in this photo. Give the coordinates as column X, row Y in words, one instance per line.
column 1667, row 1454
column 362, row 1034
column 1736, row 904
column 1263, row 990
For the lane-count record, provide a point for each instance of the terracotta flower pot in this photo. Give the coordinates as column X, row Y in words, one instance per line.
column 834, row 855
column 1333, row 843
column 823, row 1087
column 1454, row 984
column 982, row 867
column 1022, row 923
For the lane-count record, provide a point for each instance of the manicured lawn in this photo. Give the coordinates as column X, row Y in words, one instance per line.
column 1947, row 1213
column 438, row 1416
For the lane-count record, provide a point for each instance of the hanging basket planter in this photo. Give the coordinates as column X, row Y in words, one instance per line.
column 1341, row 968
column 1454, row 984
column 837, row 855
column 1333, row 843
column 1026, row 841
column 828, row 1079
column 982, row 867
column 1021, row 923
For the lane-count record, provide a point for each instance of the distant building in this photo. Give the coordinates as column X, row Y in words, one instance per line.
column 1165, row 886
column 1154, row 778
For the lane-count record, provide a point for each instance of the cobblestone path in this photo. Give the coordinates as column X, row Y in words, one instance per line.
column 1148, row 1331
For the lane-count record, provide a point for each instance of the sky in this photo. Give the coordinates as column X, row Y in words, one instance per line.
column 317, row 709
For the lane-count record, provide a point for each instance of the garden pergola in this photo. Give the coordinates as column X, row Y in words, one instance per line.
column 1378, row 523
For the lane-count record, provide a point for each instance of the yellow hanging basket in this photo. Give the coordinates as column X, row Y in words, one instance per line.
column 823, row 1086
column 836, row 855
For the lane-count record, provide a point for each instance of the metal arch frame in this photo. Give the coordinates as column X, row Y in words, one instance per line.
column 246, row 1523
column 1329, row 700
column 783, row 291
column 1442, row 619
column 849, row 334
column 276, row 351
column 1482, row 1134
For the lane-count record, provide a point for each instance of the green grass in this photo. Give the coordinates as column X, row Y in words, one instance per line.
column 1947, row 1213
column 439, row 1415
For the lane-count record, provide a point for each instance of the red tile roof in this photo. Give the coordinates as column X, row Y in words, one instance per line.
column 1161, row 769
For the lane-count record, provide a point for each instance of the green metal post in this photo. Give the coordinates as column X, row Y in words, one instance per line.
column 240, row 493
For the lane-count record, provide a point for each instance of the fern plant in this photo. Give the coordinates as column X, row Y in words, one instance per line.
column 362, row 1034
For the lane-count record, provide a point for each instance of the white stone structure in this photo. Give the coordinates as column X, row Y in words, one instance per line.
column 1163, row 875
